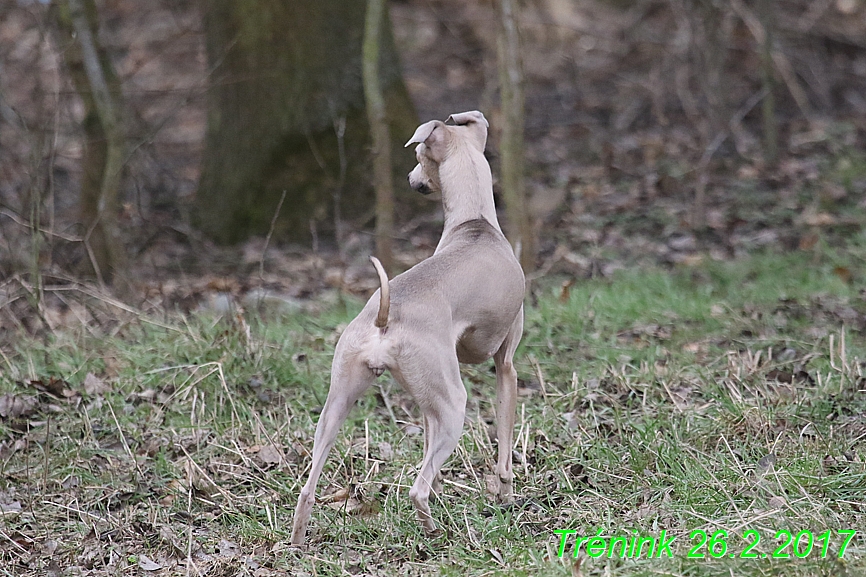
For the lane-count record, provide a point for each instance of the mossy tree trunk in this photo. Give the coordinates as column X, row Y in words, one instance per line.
column 286, row 112
column 104, row 141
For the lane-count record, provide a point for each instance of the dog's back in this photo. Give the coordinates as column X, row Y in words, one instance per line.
column 473, row 287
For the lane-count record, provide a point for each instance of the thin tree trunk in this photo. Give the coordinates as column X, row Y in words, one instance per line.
column 768, row 106
column 99, row 88
column 520, row 222
column 382, row 169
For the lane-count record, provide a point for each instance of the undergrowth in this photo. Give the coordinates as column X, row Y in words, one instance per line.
column 724, row 396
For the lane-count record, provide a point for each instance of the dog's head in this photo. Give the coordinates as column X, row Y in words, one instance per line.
column 436, row 141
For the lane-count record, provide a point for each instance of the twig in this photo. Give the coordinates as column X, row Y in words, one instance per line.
column 270, row 233
column 113, row 302
column 783, row 65
column 387, row 402
column 193, row 465
column 698, row 216
column 540, row 376
column 125, row 444
column 340, row 131
column 91, row 255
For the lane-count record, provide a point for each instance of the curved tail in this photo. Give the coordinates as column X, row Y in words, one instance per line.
column 384, row 294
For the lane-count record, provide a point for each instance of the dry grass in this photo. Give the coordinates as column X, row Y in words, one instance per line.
column 719, row 397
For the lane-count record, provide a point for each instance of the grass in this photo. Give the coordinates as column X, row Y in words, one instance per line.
column 718, row 397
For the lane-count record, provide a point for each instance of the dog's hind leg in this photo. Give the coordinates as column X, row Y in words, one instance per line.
column 349, row 379
column 444, row 408
column 506, row 401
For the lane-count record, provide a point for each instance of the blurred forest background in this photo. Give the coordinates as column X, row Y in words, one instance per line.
column 181, row 153
column 685, row 181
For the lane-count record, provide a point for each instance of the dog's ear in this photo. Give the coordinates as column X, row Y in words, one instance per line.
column 423, row 132
column 463, row 118
column 432, row 139
column 476, row 122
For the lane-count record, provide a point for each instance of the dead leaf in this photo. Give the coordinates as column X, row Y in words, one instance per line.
column 93, row 385
column 571, row 419
column 789, row 377
column 228, row 548
column 11, row 508
column 147, row 396
column 818, row 218
column 338, row 495
column 53, row 569
column 696, row 347
column 386, row 453
column 808, row 241
column 148, row 564
column 15, row 406
column 843, row 273
column 369, row 508
column 491, row 485
column 269, row 455
column 832, row 465
column 776, row 502
column 53, row 386
column 766, row 463
column 350, row 505
column 780, row 376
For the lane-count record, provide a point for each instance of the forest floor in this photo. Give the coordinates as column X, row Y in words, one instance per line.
column 717, row 399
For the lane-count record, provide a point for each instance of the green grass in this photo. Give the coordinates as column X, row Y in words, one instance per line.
column 649, row 401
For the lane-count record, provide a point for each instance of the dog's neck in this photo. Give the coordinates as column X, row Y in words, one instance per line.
column 467, row 190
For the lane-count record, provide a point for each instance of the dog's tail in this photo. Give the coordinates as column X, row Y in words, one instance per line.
column 384, row 294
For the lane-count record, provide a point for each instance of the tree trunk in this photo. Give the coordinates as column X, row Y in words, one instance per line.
column 520, row 223
column 768, row 108
column 104, row 141
column 382, row 169
column 286, row 112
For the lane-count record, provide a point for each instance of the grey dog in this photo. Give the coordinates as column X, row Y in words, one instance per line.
column 464, row 304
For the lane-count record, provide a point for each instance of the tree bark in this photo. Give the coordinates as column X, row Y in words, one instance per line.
column 520, row 222
column 382, row 171
column 286, row 112
column 104, row 141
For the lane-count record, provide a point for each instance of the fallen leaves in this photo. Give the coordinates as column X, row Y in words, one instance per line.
column 267, row 455
column 17, row 406
column 147, row 564
column 53, row 386
column 93, row 385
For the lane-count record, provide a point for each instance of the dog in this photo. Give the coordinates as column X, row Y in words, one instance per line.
column 464, row 304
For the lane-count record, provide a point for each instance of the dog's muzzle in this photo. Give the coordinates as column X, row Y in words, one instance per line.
column 420, row 187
